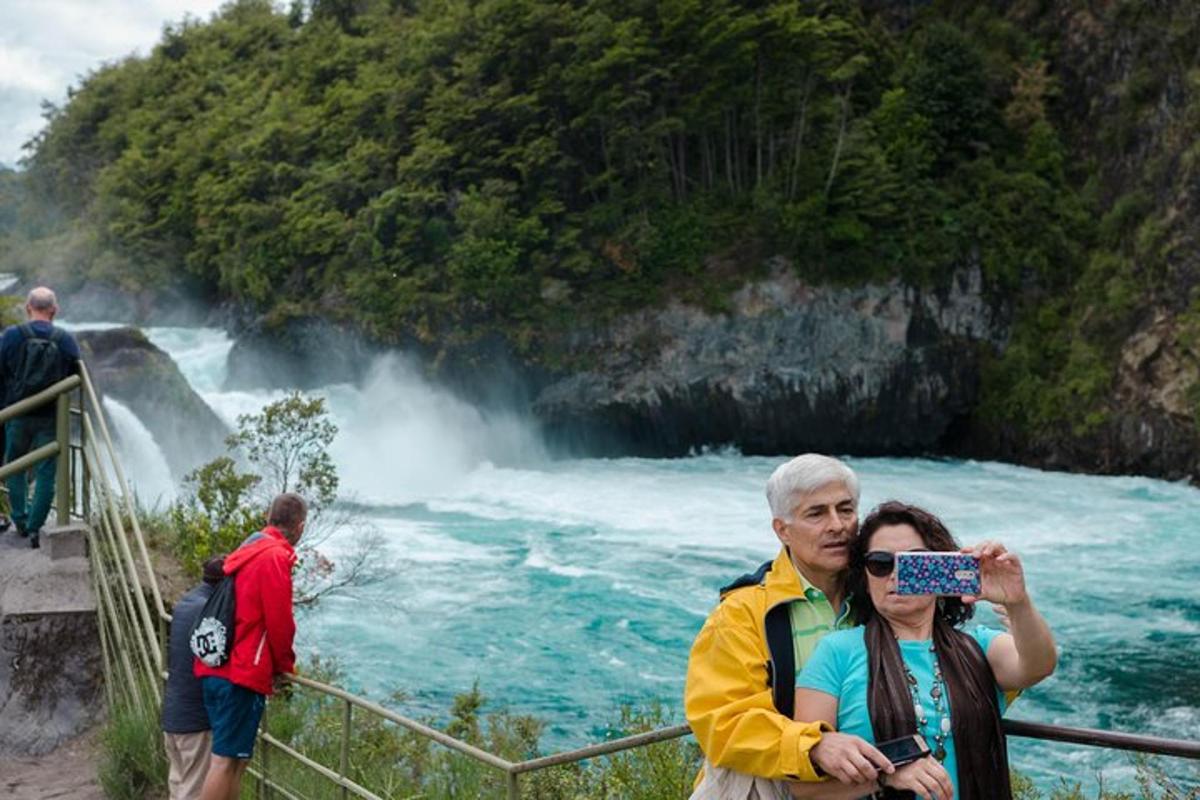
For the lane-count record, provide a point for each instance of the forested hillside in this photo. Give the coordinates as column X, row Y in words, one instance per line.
column 493, row 160
column 440, row 170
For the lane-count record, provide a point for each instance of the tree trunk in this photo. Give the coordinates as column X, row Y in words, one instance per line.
column 729, row 152
column 683, row 165
column 798, row 131
column 837, row 150
column 758, row 145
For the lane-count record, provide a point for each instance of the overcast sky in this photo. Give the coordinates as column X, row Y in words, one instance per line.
column 47, row 45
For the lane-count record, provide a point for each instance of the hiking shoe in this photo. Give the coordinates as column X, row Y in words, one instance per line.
column 22, row 532
column 33, row 542
column 5, row 523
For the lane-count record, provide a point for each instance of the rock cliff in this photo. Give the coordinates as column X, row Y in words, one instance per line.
column 126, row 366
column 881, row 369
column 1130, row 99
column 300, row 354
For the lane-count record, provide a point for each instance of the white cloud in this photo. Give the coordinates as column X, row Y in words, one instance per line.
column 48, row 45
column 22, row 70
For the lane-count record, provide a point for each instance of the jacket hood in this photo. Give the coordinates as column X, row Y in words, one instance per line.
column 255, row 545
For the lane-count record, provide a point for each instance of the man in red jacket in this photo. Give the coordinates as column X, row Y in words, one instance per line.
column 235, row 693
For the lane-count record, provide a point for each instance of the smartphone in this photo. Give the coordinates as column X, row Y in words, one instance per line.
column 904, row 750
column 937, row 573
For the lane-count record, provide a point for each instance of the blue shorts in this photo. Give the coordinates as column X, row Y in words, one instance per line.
column 234, row 713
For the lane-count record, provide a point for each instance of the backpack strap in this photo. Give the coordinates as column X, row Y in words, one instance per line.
column 781, row 666
column 756, row 578
column 56, row 333
column 781, row 656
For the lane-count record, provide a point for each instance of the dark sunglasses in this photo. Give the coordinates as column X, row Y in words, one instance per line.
column 880, row 563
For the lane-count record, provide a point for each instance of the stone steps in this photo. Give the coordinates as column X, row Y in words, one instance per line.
column 51, row 673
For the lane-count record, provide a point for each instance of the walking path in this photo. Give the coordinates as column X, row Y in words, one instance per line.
column 68, row 773
column 35, row 587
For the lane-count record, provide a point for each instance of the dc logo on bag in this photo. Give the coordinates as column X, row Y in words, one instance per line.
column 208, row 642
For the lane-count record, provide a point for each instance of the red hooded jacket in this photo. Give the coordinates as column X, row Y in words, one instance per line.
column 263, row 626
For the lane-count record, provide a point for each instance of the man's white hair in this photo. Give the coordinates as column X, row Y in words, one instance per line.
column 41, row 299
column 804, row 474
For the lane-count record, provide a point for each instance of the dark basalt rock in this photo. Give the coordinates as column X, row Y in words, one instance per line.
column 302, row 353
column 878, row 370
column 125, row 365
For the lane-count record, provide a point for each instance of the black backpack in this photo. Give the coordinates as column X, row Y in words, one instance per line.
column 40, row 363
column 211, row 637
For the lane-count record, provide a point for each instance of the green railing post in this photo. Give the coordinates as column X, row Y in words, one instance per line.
column 62, row 476
column 86, row 484
column 514, row 785
column 264, row 750
column 344, row 766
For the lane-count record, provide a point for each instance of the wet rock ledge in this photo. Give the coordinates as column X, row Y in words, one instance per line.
column 127, row 367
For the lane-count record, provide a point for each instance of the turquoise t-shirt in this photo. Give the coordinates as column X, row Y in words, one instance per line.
column 839, row 668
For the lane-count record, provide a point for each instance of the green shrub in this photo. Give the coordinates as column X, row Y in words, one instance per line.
column 133, row 762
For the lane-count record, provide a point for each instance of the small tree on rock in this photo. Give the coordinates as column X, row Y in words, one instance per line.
column 283, row 448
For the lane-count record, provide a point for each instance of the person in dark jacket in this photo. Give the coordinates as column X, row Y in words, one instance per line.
column 235, row 693
column 34, row 356
column 187, row 734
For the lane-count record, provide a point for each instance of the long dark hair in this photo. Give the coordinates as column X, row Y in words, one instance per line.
column 980, row 748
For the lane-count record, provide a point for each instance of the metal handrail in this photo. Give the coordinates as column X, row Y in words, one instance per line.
column 603, row 749
column 133, row 658
column 1016, row 728
column 444, row 739
column 36, row 401
column 127, row 496
column 1113, row 740
column 28, row 460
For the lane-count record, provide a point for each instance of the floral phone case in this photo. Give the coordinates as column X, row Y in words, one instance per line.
column 937, row 573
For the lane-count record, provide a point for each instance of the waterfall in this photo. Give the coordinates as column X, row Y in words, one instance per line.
column 142, row 459
column 402, row 438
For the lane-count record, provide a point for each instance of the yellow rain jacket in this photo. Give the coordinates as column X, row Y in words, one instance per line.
column 741, row 715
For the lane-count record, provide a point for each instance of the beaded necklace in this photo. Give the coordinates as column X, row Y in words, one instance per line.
column 937, row 693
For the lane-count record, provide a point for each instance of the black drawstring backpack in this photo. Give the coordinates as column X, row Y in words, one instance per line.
column 211, row 639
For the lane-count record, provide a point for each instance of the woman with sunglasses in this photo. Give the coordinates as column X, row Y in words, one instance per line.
column 910, row 669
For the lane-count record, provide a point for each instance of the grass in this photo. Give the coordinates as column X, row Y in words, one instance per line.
column 133, row 763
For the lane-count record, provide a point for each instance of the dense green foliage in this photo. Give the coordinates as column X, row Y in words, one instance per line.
column 439, row 169
column 408, row 165
column 1136, row 136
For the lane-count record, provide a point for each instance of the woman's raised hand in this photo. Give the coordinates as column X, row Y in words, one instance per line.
column 1002, row 578
column 925, row 776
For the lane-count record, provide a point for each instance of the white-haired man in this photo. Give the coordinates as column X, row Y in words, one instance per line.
column 743, row 665
column 33, row 356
